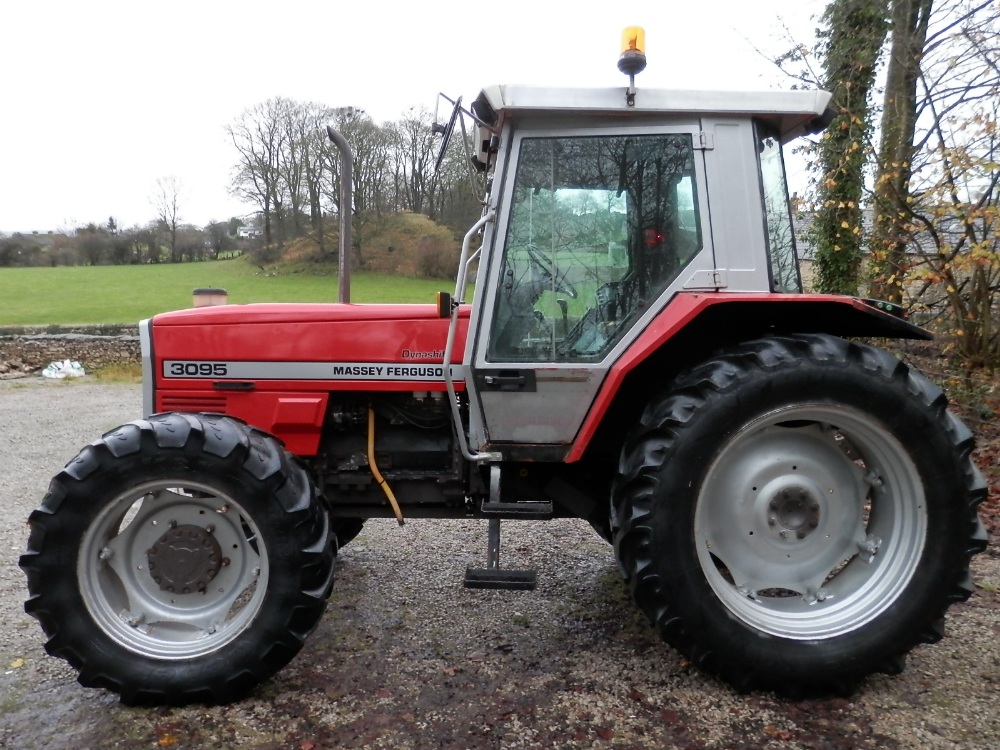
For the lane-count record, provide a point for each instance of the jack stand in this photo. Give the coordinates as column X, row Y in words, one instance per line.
column 492, row 577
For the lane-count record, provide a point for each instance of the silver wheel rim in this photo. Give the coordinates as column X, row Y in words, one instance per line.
column 205, row 550
column 810, row 522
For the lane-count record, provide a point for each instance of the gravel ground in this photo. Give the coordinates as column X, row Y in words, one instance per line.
column 407, row 658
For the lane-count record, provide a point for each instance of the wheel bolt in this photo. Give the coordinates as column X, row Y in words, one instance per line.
column 800, row 534
column 773, row 505
column 771, row 521
column 106, row 553
column 172, row 524
column 784, row 533
column 210, row 528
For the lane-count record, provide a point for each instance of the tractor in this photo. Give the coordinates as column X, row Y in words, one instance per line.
column 792, row 508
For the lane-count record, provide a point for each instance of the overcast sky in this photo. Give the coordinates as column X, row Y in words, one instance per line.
column 100, row 98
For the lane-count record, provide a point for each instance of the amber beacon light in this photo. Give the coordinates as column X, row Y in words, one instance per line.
column 632, row 59
column 633, row 51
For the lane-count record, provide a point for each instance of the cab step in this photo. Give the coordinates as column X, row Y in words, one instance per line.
column 523, row 509
column 494, row 506
column 492, row 576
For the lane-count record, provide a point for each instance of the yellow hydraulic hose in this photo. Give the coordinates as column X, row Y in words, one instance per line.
column 374, row 467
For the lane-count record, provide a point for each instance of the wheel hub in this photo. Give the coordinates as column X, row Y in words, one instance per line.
column 793, row 512
column 184, row 560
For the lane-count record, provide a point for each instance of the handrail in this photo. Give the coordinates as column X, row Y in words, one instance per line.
column 456, row 416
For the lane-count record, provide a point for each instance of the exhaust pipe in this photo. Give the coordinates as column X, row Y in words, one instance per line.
column 346, row 203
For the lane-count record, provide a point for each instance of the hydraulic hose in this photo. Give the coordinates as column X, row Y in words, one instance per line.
column 374, row 467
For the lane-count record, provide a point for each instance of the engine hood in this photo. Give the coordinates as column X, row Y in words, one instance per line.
column 291, row 332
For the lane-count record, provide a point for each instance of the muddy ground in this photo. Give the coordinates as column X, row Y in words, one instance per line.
column 407, row 658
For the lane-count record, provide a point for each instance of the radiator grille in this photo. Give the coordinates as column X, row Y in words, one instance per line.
column 194, row 403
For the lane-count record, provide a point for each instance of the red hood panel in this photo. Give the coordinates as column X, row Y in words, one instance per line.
column 295, row 312
column 283, row 332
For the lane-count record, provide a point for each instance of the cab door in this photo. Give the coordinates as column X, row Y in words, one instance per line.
column 597, row 230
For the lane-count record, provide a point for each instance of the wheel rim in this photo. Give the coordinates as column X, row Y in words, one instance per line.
column 810, row 522
column 173, row 569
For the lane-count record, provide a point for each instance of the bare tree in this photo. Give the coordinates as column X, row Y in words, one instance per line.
column 370, row 144
column 291, row 167
column 937, row 67
column 166, row 202
column 910, row 19
column 457, row 199
column 291, row 172
column 259, row 135
column 413, row 143
column 314, row 148
column 949, row 211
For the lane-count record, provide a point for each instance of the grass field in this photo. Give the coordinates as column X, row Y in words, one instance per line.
column 126, row 294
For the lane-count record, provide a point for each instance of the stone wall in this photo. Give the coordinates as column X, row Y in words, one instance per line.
column 25, row 352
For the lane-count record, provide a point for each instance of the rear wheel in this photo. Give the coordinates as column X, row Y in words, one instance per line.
column 182, row 558
column 798, row 513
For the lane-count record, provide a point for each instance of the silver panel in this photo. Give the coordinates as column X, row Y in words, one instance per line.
column 737, row 206
column 146, row 352
column 552, row 414
column 789, row 111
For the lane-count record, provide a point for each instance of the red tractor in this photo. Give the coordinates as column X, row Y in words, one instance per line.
column 792, row 509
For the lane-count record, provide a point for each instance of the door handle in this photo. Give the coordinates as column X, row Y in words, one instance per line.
column 508, row 380
column 499, row 381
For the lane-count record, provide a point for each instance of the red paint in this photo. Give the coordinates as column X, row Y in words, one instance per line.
column 676, row 315
column 293, row 410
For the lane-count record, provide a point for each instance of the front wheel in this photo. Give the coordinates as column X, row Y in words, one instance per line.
column 798, row 513
column 180, row 558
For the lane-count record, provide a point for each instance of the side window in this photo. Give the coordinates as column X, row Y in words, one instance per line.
column 780, row 236
column 599, row 227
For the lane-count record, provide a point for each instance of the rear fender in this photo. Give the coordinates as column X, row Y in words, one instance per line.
column 693, row 326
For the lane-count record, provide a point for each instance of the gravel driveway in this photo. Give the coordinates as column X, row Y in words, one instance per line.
column 407, row 658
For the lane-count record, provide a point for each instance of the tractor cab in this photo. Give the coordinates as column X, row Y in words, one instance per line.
column 605, row 205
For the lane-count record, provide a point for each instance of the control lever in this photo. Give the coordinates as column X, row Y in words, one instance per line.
column 564, row 306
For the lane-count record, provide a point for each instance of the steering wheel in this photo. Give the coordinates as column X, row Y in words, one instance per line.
column 558, row 278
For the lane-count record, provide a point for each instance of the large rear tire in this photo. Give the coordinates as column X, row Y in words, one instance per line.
column 798, row 513
column 178, row 559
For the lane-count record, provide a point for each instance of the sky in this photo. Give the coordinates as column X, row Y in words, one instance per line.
column 99, row 99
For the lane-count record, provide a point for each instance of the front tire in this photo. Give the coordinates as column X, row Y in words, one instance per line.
column 798, row 513
column 178, row 559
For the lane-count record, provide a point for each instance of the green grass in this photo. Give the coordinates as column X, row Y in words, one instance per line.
column 126, row 294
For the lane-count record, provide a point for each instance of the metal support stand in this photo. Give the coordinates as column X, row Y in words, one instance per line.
column 492, row 577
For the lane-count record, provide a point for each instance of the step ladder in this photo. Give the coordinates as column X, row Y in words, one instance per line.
column 493, row 576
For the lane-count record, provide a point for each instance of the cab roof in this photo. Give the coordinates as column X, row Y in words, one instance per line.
column 793, row 113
